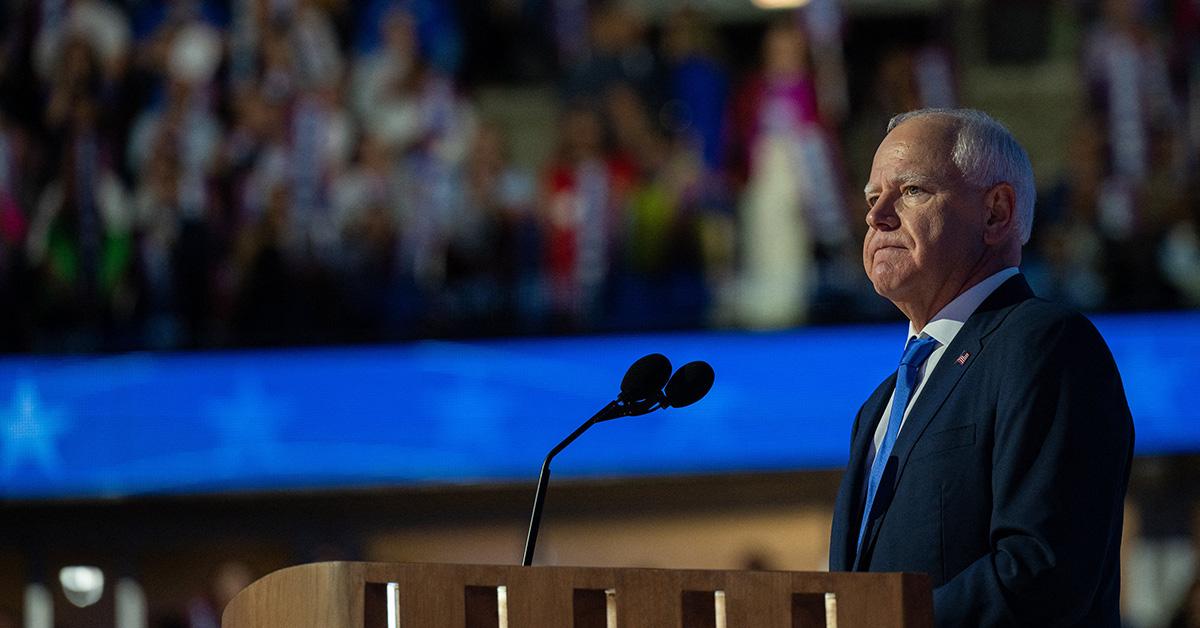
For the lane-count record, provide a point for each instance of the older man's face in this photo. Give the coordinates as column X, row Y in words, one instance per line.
column 925, row 223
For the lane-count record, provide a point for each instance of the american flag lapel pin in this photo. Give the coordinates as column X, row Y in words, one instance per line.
column 962, row 359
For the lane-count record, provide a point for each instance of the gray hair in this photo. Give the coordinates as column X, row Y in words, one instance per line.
column 987, row 154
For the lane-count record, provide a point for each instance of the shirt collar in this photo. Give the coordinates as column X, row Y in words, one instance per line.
column 946, row 324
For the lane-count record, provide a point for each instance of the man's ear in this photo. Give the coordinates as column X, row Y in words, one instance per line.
column 1000, row 224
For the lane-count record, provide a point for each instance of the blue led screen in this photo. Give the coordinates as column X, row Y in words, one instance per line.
column 485, row 410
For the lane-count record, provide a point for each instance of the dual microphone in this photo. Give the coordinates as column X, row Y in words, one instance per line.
column 648, row 385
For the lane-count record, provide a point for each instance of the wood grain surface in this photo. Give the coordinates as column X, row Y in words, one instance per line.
column 352, row 595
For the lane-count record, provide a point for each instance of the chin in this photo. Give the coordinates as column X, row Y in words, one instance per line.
column 881, row 286
column 887, row 286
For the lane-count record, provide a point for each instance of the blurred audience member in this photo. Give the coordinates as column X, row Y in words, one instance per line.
column 495, row 254
column 1126, row 74
column 658, row 282
column 436, row 29
column 1179, row 255
column 269, row 307
column 80, row 241
column 618, row 51
column 784, row 157
column 583, row 189
column 823, row 20
column 570, row 30
column 98, row 24
column 699, row 85
column 15, row 191
column 1068, row 266
column 917, row 78
column 174, row 147
column 365, row 220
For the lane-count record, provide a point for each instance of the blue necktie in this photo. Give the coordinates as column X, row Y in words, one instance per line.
column 915, row 354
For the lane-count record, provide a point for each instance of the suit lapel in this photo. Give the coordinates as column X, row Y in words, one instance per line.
column 970, row 340
column 854, row 484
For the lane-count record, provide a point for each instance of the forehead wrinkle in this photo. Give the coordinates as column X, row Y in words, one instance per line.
column 913, row 178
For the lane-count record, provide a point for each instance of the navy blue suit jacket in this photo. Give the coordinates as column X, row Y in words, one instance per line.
column 1007, row 482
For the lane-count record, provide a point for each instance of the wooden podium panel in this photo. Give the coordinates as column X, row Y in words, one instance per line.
column 358, row 595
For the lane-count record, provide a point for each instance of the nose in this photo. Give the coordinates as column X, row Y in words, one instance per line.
column 882, row 215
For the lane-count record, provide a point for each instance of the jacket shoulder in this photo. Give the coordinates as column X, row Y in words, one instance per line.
column 1047, row 321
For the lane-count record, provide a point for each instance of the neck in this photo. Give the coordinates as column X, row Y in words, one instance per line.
column 920, row 313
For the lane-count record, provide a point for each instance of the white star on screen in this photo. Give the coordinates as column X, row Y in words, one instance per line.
column 30, row 430
column 248, row 423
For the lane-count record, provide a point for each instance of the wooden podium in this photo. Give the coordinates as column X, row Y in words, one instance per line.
column 404, row 595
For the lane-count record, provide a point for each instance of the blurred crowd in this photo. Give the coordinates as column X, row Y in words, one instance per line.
column 202, row 173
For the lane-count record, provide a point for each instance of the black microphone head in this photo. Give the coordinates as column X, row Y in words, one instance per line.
column 689, row 384
column 645, row 378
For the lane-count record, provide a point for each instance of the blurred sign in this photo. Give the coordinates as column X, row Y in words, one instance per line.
column 485, row 411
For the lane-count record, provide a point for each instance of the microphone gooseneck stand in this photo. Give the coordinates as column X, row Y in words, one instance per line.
column 642, row 392
column 614, row 410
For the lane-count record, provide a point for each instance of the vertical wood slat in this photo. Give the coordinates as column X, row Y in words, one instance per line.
column 538, row 599
column 432, row 606
column 349, row 595
column 759, row 598
column 648, row 599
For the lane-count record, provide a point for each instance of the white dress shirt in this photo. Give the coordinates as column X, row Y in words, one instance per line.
column 944, row 326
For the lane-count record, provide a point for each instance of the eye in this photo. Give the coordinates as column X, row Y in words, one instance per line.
column 871, row 201
column 911, row 190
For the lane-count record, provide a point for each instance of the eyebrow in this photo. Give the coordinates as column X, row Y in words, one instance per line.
column 903, row 178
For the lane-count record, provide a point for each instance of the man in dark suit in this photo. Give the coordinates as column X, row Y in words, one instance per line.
column 996, row 458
